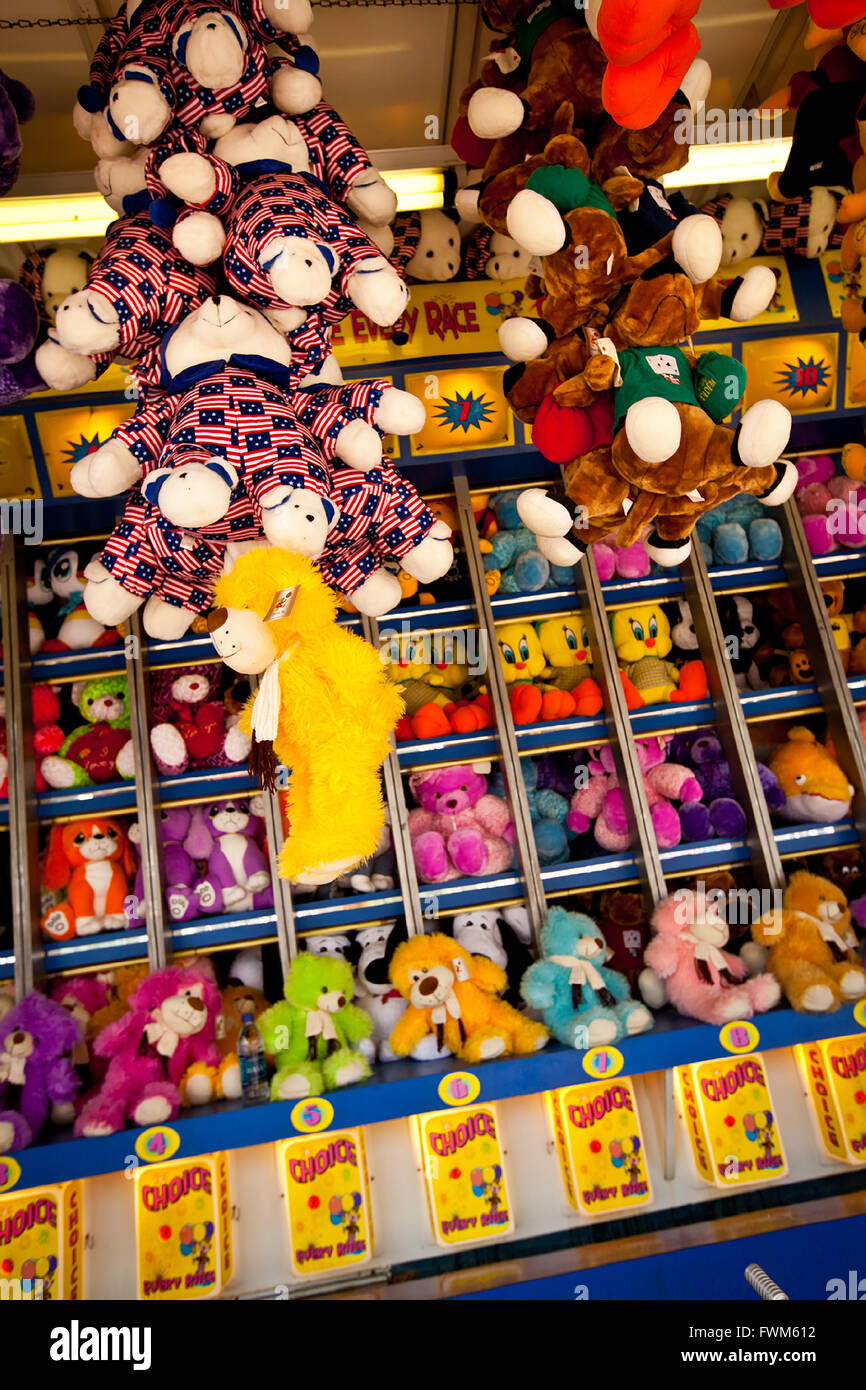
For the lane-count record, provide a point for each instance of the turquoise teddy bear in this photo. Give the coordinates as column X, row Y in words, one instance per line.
column 514, row 553
column 548, row 810
column 583, row 1003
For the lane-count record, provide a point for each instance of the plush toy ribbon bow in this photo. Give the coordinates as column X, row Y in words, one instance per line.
column 321, row 1023
column 831, row 937
column 12, row 1068
column 439, row 1017
column 580, row 973
column 162, row 1038
column 706, row 958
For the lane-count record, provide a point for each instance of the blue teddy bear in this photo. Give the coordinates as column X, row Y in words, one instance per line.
column 548, row 810
column 739, row 530
column 583, row 1003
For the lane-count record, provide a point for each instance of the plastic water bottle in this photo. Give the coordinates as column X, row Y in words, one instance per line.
column 251, row 1055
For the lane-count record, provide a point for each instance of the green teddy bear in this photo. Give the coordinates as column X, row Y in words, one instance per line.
column 101, row 749
column 313, row 1030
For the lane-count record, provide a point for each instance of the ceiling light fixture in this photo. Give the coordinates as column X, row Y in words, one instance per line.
column 746, row 161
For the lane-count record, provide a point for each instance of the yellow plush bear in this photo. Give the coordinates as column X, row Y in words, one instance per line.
column 812, row 945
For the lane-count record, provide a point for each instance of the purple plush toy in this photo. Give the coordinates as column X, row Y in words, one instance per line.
column 19, row 331
column 225, row 834
column 17, row 106
column 179, row 869
column 35, row 1071
column 458, row 829
column 718, row 813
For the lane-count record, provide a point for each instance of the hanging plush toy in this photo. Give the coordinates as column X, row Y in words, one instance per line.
column 276, row 618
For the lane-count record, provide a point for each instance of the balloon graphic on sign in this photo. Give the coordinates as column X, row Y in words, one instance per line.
column 192, row 1236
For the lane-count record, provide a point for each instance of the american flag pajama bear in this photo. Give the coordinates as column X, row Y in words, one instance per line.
column 381, row 517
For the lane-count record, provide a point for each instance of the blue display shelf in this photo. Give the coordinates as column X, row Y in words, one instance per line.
column 400, row 1089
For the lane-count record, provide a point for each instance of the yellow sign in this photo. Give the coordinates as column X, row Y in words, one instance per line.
column 182, row 1228
column 835, row 279
column 855, row 371
column 739, row 1036
column 41, row 1244
column 600, row 1146
column 69, row 435
column 464, row 1169
column 10, row 1172
column 439, row 321
column 860, row 1012
column 834, row 1071
column 602, row 1062
column 311, row 1115
column 459, row 1088
column 327, row 1202
column 783, row 308
column 158, row 1144
column 466, row 409
column 799, row 371
column 730, row 1121
column 18, row 477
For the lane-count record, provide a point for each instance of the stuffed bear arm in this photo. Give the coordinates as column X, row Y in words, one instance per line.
column 355, row 1022
column 598, row 375
column 590, row 799
column 492, row 813
column 538, row 986
column 675, row 782
column 622, row 189
column 410, row 1028
column 61, row 1081
column 662, row 955
column 419, row 821
column 123, row 1032
column 488, row 976
column 770, row 929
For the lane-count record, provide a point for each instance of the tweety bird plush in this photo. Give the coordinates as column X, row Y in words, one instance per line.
column 324, row 708
column 642, row 638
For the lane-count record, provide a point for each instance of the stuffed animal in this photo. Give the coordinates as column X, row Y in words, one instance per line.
column 237, row 1000
column 189, row 727
column 512, row 561
column 237, row 877
column 685, row 963
column 622, row 919
column 426, row 245
column 502, row 936
column 599, row 803
column 455, row 997
column 276, row 618
column 17, row 107
column 812, row 945
column 77, row 629
column 169, row 1027
column 373, row 950
column 801, row 226
column 583, row 1002
column 83, row 997
column 548, row 810
column 92, row 861
column 315, row 1032
column 100, row 750
column 739, row 530
column 36, row 1075
column 718, row 812
column 179, row 871
column 826, row 101
column 565, row 645
column 816, row 789
column 457, row 829
column 48, row 737
column 642, row 639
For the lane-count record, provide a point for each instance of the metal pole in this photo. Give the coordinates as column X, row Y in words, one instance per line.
column 536, row 904
column 763, row 1285
column 287, row 940
column 403, row 856
column 731, row 724
column 146, row 799
column 27, row 942
column 830, row 679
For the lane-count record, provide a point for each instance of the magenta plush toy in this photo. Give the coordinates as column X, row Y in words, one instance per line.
column 686, row 964
column 191, row 727
column 225, row 833
column 600, row 803
column 626, row 562
column 458, row 829
column 832, row 506
column 169, row 1028
column 36, row 1074
column 82, row 996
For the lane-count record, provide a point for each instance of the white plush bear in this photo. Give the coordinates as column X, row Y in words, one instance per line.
column 437, row 254
column 192, row 494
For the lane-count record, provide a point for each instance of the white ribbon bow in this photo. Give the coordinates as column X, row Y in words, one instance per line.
column 705, row 952
column 320, row 1022
column 12, row 1068
column 164, row 1038
column 581, row 972
column 266, row 705
column 831, row 936
column 439, row 1015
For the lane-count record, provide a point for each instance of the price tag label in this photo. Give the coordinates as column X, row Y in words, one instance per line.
column 157, row 1144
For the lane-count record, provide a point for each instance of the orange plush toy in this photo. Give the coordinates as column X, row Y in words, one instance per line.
column 812, row 945
column 650, row 45
column 93, row 861
column 455, row 997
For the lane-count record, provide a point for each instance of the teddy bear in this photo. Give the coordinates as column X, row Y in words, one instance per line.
column 121, row 981
column 599, row 802
column 739, row 530
column 48, row 736
column 169, row 1026
column 236, row 1001
column 493, row 256
column 179, row 870
column 685, row 963
column 83, row 997
column 718, row 813
column 812, row 945
column 548, row 811
column 17, row 107
column 277, row 618
column 225, row 834
column 372, row 952
column 455, row 997
column 100, row 749
column 189, row 727
column 36, row 1074
column 19, row 335
column 314, row 1033
column 803, row 226
column 815, row 787
column 582, row 1000
column 457, row 829
column 622, row 919
column 95, row 896
column 826, row 101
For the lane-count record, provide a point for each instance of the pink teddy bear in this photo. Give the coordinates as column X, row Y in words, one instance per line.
column 601, row 801
column 458, row 830
column 170, row 1026
column 832, row 506
column 686, row 964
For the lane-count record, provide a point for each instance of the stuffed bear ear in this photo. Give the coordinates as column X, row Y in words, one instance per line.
column 762, row 209
column 223, row 470
column 152, row 485
column 332, row 512
column 396, row 937
column 328, row 256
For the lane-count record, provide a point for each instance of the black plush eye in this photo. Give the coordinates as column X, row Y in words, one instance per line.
column 429, row 255
column 213, row 812
column 79, row 840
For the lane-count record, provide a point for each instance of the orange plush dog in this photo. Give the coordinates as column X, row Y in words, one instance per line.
column 455, row 996
column 93, row 861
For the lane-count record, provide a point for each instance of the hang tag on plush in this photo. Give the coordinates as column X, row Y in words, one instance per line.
column 605, row 347
column 506, row 59
column 694, row 496
column 460, row 969
column 283, row 603
column 187, row 542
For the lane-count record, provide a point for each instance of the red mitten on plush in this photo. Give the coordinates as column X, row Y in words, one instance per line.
column 587, row 698
column 693, row 683
column 633, row 697
column 525, row 702
column 557, row 704
column 430, row 721
column 561, row 432
column 629, row 30
column 636, row 95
